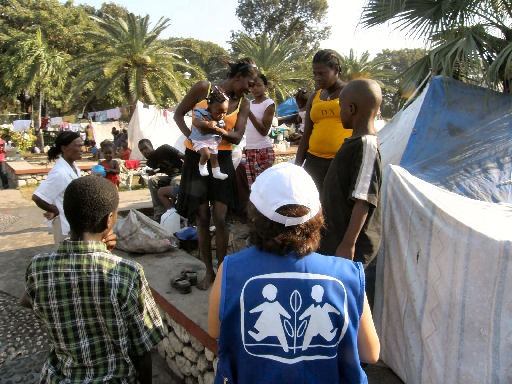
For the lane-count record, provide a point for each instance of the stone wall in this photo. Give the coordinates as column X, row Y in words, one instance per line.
column 186, row 356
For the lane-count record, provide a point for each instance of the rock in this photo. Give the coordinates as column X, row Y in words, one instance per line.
column 184, row 365
column 174, row 367
column 215, row 362
column 22, row 183
column 31, row 181
column 189, row 380
column 208, row 378
column 209, row 354
column 169, row 350
column 194, row 371
column 202, row 363
column 200, row 379
column 182, row 333
column 175, row 343
column 190, row 354
column 161, row 349
column 196, row 344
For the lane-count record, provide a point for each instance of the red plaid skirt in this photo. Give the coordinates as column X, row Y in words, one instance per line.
column 257, row 160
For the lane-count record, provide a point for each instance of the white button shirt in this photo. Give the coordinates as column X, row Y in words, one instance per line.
column 52, row 189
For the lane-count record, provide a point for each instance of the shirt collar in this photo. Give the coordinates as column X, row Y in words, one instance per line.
column 69, row 246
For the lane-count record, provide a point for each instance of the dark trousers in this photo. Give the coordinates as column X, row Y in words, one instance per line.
column 3, row 174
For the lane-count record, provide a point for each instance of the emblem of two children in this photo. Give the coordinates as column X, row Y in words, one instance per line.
column 269, row 322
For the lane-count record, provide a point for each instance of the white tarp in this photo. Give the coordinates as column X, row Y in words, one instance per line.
column 103, row 132
column 443, row 305
column 156, row 125
column 394, row 136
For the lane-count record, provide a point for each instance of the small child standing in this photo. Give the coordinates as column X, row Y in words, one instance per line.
column 207, row 131
column 111, row 166
column 351, row 199
column 98, row 309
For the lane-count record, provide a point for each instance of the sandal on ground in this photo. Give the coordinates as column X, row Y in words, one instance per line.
column 191, row 276
column 182, row 285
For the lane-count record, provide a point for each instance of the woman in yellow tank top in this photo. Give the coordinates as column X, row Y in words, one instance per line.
column 198, row 192
column 323, row 132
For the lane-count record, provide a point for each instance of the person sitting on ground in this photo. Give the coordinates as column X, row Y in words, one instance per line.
column 95, row 151
column 111, row 165
column 98, row 309
column 167, row 160
column 207, row 128
column 351, row 196
column 283, row 312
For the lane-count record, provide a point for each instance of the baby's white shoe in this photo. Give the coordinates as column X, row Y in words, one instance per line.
column 218, row 174
column 203, row 169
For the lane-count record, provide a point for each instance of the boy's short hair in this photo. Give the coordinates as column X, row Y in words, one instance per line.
column 88, row 201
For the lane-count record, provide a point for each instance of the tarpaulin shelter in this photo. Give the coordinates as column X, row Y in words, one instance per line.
column 287, row 108
column 157, row 125
column 443, row 306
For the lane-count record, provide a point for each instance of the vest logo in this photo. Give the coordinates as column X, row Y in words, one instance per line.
column 286, row 317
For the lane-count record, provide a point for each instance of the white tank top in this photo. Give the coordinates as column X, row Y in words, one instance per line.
column 254, row 139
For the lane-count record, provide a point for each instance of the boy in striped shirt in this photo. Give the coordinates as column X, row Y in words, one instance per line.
column 351, row 201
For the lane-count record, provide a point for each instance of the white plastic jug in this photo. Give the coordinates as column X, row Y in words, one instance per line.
column 170, row 220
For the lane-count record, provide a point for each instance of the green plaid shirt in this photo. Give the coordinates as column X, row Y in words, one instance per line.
column 98, row 309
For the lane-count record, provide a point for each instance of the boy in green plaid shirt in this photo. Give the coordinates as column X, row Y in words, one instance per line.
column 101, row 317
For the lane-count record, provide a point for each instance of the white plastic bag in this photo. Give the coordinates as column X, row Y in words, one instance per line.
column 137, row 233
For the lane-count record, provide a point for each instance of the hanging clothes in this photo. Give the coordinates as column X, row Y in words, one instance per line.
column 113, row 114
column 101, row 116
column 21, row 125
column 56, row 121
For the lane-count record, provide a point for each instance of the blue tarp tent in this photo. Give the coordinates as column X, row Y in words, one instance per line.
column 461, row 140
column 287, row 107
column 444, row 268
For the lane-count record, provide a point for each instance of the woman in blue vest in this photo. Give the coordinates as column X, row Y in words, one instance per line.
column 283, row 313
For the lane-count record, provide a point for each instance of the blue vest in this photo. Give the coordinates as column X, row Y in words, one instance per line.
column 289, row 320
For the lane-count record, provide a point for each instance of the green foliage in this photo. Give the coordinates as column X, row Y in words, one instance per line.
column 284, row 63
column 23, row 141
column 299, row 21
column 395, row 62
column 353, row 67
column 471, row 39
column 203, row 54
column 129, row 55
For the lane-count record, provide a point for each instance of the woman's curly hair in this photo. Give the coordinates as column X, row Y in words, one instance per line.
column 273, row 237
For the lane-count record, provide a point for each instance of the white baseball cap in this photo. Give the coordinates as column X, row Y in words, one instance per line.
column 281, row 185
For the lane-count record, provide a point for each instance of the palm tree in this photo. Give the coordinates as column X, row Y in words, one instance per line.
column 131, row 56
column 471, row 40
column 353, row 67
column 31, row 66
column 284, row 63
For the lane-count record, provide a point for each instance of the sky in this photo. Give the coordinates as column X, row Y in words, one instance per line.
column 220, row 20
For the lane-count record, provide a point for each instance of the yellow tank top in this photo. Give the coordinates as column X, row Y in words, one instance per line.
column 230, row 121
column 328, row 133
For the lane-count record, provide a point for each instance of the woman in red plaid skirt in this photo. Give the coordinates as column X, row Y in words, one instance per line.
column 258, row 150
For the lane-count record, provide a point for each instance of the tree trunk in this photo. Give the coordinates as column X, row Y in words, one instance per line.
column 39, row 130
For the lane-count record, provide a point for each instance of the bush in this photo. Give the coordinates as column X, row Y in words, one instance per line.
column 22, row 140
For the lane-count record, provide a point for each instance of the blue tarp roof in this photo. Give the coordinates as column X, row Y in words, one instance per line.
column 287, row 107
column 462, row 141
